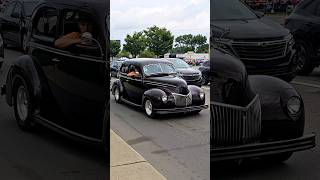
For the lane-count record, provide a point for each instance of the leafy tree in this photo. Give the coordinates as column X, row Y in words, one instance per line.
column 189, row 42
column 147, row 54
column 124, row 53
column 184, row 40
column 198, row 41
column 203, row 48
column 159, row 40
column 115, row 48
column 135, row 44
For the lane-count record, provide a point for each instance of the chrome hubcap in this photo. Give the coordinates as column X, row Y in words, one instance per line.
column 22, row 103
column 116, row 94
column 148, row 107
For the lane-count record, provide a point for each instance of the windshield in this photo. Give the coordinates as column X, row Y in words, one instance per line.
column 230, row 10
column 160, row 68
column 179, row 64
column 28, row 7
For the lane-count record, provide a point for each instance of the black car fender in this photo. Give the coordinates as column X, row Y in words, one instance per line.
column 274, row 94
column 26, row 66
column 155, row 95
column 118, row 84
column 194, row 89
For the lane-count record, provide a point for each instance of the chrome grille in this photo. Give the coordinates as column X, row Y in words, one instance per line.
column 234, row 125
column 265, row 50
column 182, row 100
column 191, row 77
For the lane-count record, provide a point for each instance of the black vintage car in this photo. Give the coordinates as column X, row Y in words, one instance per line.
column 153, row 85
column 65, row 89
column 253, row 116
column 14, row 21
column 304, row 24
column 265, row 47
column 205, row 71
column 189, row 74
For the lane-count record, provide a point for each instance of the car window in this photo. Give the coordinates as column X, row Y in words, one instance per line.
column 124, row 68
column 160, row 68
column 9, row 9
column 28, row 7
column 310, row 7
column 17, row 9
column 180, row 64
column 46, row 23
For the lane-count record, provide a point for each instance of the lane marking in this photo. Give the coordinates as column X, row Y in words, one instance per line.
column 306, row 84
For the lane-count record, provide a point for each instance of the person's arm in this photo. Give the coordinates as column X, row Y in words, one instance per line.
column 67, row 40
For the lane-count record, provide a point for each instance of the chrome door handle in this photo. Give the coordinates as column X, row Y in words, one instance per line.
column 56, row 60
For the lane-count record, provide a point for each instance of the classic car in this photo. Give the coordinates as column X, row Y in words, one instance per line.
column 304, row 24
column 14, row 21
column 253, row 115
column 264, row 46
column 64, row 89
column 114, row 68
column 153, row 85
column 189, row 74
column 205, row 71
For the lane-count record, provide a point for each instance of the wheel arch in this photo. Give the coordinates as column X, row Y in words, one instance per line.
column 154, row 95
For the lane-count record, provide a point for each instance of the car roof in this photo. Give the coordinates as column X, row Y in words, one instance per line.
column 145, row 61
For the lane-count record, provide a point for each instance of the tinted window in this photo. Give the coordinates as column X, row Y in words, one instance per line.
column 45, row 23
column 230, row 10
column 9, row 9
column 178, row 63
column 17, row 9
column 28, row 7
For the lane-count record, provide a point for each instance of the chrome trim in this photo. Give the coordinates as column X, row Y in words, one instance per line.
column 187, row 98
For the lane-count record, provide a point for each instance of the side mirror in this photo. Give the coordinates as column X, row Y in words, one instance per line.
column 259, row 14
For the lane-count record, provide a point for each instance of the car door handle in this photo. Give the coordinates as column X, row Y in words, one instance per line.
column 56, row 60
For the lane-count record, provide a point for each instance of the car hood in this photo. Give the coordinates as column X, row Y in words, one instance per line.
column 188, row 71
column 263, row 28
column 168, row 80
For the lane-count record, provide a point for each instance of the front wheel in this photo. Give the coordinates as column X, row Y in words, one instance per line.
column 117, row 94
column 304, row 66
column 149, row 108
column 23, row 107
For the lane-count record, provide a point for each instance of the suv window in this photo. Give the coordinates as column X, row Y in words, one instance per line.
column 17, row 9
column 9, row 9
column 46, row 23
column 311, row 7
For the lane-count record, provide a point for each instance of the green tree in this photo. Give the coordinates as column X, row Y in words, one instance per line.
column 147, row 54
column 124, row 53
column 115, row 48
column 135, row 44
column 198, row 41
column 159, row 40
column 203, row 48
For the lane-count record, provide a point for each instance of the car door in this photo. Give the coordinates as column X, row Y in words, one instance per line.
column 136, row 86
column 6, row 23
column 80, row 81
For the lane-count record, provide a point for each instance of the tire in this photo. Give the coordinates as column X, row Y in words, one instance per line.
column 304, row 66
column 23, row 103
column 277, row 158
column 117, row 94
column 148, row 108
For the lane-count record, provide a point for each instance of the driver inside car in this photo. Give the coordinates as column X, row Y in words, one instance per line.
column 75, row 37
column 133, row 73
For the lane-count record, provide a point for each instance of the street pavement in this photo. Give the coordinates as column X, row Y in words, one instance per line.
column 43, row 154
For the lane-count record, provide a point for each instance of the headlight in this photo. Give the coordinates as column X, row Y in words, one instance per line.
column 164, row 98
column 294, row 106
column 201, row 95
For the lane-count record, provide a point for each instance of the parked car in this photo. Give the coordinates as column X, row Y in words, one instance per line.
column 14, row 21
column 190, row 75
column 152, row 84
column 205, row 71
column 304, row 24
column 265, row 47
column 253, row 116
column 66, row 90
column 114, row 68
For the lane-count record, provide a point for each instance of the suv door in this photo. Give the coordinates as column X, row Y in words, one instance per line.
column 80, row 79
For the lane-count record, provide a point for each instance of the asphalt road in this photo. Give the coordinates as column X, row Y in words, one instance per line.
column 42, row 154
column 303, row 165
column 176, row 145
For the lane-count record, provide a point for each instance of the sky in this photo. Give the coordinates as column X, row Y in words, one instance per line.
column 179, row 16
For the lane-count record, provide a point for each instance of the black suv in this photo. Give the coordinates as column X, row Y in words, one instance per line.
column 304, row 24
column 64, row 88
column 264, row 46
column 14, row 22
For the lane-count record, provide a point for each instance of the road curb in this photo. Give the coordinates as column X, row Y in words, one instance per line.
column 127, row 164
